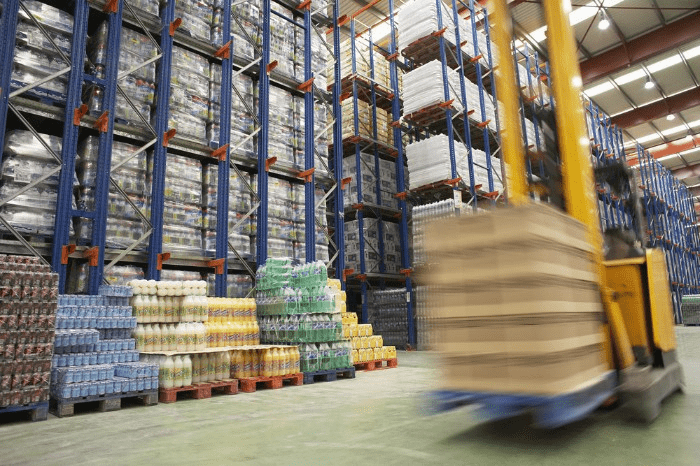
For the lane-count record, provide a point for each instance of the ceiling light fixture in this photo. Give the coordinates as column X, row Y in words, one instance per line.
column 671, row 117
column 604, row 22
column 649, row 84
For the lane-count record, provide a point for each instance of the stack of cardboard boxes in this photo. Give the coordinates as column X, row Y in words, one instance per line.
column 516, row 303
column 365, row 128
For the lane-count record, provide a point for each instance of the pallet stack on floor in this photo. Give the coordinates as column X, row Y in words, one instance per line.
column 95, row 357
column 297, row 306
column 28, row 297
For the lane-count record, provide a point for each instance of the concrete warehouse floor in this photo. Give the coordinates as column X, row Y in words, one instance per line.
column 374, row 419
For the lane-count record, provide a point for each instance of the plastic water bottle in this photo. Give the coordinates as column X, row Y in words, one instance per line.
column 196, row 368
column 178, row 372
column 181, row 334
column 156, row 336
column 186, row 371
column 140, row 336
column 166, row 373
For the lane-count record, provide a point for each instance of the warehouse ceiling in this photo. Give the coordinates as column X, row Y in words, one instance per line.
column 643, row 69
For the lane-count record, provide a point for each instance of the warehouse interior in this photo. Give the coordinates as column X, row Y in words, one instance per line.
column 331, row 231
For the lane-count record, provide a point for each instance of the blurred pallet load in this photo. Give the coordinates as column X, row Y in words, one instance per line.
column 515, row 302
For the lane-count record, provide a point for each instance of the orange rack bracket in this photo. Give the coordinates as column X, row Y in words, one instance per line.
column 224, row 52
column 164, row 257
column 92, row 255
column 174, row 25
column 102, row 123
column 168, row 135
column 270, row 162
column 306, row 175
column 217, row 265
column 347, row 273
column 220, row 153
column 66, row 251
column 79, row 113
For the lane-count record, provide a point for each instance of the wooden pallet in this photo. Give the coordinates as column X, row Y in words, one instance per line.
column 199, row 391
column 377, row 364
column 329, row 375
column 102, row 403
column 249, row 384
column 37, row 411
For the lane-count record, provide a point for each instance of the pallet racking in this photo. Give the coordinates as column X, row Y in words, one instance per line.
column 168, row 32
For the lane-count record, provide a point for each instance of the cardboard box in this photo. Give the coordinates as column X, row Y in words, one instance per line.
column 544, row 374
column 507, row 261
column 519, row 335
column 508, row 225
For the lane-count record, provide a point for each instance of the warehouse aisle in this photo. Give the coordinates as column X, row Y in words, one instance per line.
column 374, row 419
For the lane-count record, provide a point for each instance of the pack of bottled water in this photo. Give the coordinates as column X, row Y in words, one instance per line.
column 94, row 352
column 387, row 312
column 26, row 159
column 34, row 56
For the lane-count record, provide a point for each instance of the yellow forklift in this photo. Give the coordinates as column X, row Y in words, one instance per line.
column 633, row 280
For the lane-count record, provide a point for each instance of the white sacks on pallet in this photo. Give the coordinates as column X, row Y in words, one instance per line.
column 418, row 19
column 429, row 162
column 423, row 87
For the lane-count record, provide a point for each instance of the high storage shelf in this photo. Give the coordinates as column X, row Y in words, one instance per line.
column 374, row 167
column 165, row 32
column 672, row 226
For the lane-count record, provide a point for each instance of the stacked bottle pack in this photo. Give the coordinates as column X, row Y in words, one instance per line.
column 35, row 58
column 390, row 261
column 170, row 315
column 139, row 85
column 297, row 306
column 28, row 293
column 197, row 17
column 189, row 94
column 245, row 29
column 426, row 331
column 118, row 275
column 26, row 160
column 429, row 162
column 365, row 345
column 282, row 43
column 94, row 352
column 283, row 126
column 368, row 177
column 388, row 315
column 124, row 226
column 285, row 218
column 363, row 63
column 240, row 203
column 269, row 361
column 182, row 209
column 243, row 113
column 232, row 322
column 320, row 224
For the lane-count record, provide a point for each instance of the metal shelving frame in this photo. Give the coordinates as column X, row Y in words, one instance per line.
column 672, row 226
column 162, row 139
column 356, row 87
